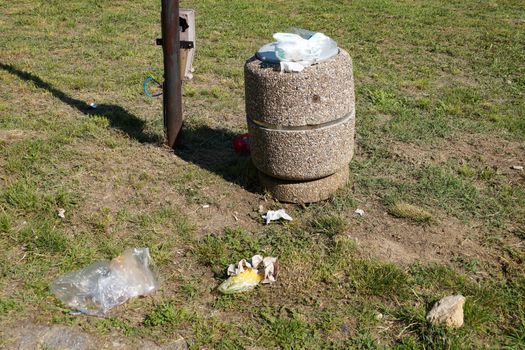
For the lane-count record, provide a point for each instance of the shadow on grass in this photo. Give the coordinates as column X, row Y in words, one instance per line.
column 212, row 149
column 118, row 117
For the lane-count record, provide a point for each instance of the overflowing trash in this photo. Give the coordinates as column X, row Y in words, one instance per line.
column 100, row 286
column 246, row 275
column 298, row 49
column 275, row 215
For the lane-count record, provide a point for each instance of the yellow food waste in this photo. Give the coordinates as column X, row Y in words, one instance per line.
column 241, row 282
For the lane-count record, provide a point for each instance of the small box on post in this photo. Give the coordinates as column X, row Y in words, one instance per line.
column 187, row 42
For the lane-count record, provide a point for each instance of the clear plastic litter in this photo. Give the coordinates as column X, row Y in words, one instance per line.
column 103, row 285
column 246, row 275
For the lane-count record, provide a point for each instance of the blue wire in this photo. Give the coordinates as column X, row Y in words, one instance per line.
column 145, row 87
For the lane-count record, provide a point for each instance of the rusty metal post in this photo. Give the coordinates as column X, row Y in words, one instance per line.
column 172, row 88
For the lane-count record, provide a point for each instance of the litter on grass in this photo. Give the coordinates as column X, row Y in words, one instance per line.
column 246, row 275
column 241, row 144
column 274, row 215
column 100, row 286
column 517, row 167
column 61, row 213
column 359, row 212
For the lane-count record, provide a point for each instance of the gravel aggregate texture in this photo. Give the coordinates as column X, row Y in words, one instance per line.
column 305, row 191
column 302, row 154
column 320, row 93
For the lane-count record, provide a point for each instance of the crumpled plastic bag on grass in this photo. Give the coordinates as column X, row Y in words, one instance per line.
column 100, row 286
column 275, row 215
column 294, row 50
column 246, row 275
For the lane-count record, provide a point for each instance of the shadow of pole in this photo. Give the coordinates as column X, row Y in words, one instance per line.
column 119, row 118
column 208, row 148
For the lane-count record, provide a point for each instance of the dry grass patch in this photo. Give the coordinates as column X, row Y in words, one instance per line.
column 408, row 211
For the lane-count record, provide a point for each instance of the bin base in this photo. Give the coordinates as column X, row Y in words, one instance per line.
column 305, row 191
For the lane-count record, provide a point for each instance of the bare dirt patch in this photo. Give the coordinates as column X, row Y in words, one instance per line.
column 448, row 240
column 488, row 150
column 11, row 135
column 395, row 240
column 120, row 179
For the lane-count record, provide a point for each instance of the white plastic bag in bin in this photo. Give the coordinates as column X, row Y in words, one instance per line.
column 100, row 286
column 292, row 47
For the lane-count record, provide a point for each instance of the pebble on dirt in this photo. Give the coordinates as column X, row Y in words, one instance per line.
column 448, row 311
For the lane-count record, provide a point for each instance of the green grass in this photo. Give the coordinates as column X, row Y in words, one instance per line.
column 440, row 113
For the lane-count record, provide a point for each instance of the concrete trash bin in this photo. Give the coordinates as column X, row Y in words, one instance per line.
column 301, row 126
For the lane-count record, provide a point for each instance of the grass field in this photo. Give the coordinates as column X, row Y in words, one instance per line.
column 440, row 89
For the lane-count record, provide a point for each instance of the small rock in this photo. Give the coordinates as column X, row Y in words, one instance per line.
column 517, row 167
column 179, row 344
column 359, row 212
column 448, row 311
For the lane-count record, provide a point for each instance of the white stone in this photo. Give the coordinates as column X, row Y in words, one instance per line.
column 448, row 311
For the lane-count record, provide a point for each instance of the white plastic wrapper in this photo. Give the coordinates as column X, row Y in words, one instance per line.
column 100, row 286
column 275, row 215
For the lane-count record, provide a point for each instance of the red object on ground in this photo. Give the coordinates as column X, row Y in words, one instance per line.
column 241, row 144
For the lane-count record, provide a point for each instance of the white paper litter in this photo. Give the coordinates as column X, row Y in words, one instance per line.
column 274, row 215
column 268, row 264
column 93, row 105
column 517, row 167
column 290, row 67
column 61, row 213
column 359, row 212
column 205, row 206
